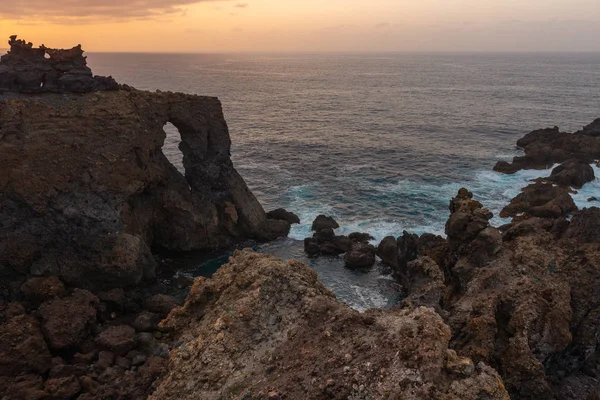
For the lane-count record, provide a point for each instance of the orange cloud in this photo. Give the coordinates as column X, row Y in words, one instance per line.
column 84, row 11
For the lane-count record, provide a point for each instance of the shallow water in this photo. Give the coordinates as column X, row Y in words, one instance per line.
column 380, row 142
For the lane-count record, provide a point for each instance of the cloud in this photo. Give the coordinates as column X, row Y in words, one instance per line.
column 93, row 10
column 241, row 5
column 382, row 25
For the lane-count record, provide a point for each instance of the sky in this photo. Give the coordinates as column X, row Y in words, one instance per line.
column 306, row 25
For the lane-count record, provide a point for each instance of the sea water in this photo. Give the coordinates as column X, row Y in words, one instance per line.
column 381, row 142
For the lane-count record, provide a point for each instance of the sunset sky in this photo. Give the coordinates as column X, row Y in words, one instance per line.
column 306, row 25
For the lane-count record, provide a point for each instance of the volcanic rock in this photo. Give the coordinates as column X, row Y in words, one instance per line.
column 22, row 347
column 67, row 322
column 86, row 192
column 573, row 173
column 26, row 69
column 361, row 255
column 318, row 347
column 545, row 147
column 323, row 222
column 542, row 200
column 282, row 214
column 585, row 226
column 118, row 339
column 37, row 290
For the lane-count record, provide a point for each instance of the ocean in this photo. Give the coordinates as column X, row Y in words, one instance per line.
column 381, row 142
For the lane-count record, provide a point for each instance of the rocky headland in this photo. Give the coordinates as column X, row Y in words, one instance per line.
column 89, row 309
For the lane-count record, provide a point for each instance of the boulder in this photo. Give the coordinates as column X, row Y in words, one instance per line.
column 282, row 214
column 388, row 251
column 118, row 339
column 39, row 289
column 573, row 173
column 585, row 226
column 323, row 222
column 360, row 237
column 542, row 200
column 146, row 321
column 360, row 256
column 67, row 322
column 23, row 349
column 161, row 304
column 62, row 388
column 425, row 283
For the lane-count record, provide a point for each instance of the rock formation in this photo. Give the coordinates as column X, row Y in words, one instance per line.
column 86, row 192
column 545, row 147
column 25, row 69
column 261, row 328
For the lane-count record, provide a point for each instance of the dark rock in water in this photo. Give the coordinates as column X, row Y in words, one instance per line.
column 25, row 69
column 311, row 247
column 592, row 129
column 342, row 243
column 23, row 349
column 573, row 173
column 67, row 322
column 542, row 200
column 284, row 215
column 93, row 217
column 388, row 251
column 408, row 250
column 361, row 255
column 323, row 222
column 546, row 147
column 360, row 237
column 592, row 199
column 585, row 226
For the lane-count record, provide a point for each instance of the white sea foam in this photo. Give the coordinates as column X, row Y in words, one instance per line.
column 493, row 189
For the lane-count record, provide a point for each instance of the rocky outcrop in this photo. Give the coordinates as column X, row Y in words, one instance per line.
column 86, row 192
column 284, row 215
column 545, row 147
column 25, row 69
column 575, row 173
column 543, row 200
column 264, row 328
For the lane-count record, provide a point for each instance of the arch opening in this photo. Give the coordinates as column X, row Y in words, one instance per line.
column 171, row 149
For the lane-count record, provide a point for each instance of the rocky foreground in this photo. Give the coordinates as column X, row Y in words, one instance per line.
column 89, row 309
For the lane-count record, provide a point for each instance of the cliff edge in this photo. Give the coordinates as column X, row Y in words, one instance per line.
column 86, row 191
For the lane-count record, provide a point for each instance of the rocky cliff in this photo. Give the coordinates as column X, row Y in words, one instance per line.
column 262, row 328
column 86, row 192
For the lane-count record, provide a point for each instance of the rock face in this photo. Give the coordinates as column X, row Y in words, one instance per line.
column 25, row 69
column 86, row 192
column 263, row 328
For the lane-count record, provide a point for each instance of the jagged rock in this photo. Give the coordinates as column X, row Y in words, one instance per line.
column 573, row 173
column 146, row 321
column 26, row 69
column 118, row 339
column 585, row 226
column 62, row 388
column 22, row 347
column 542, row 200
column 467, row 219
column 284, row 215
column 86, row 192
column 66, row 322
column 161, row 304
column 323, row 222
column 318, row 346
column 38, row 290
column 360, row 237
column 388, row 251
column 425, row 283
column 361, row 255
column 546, row 147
